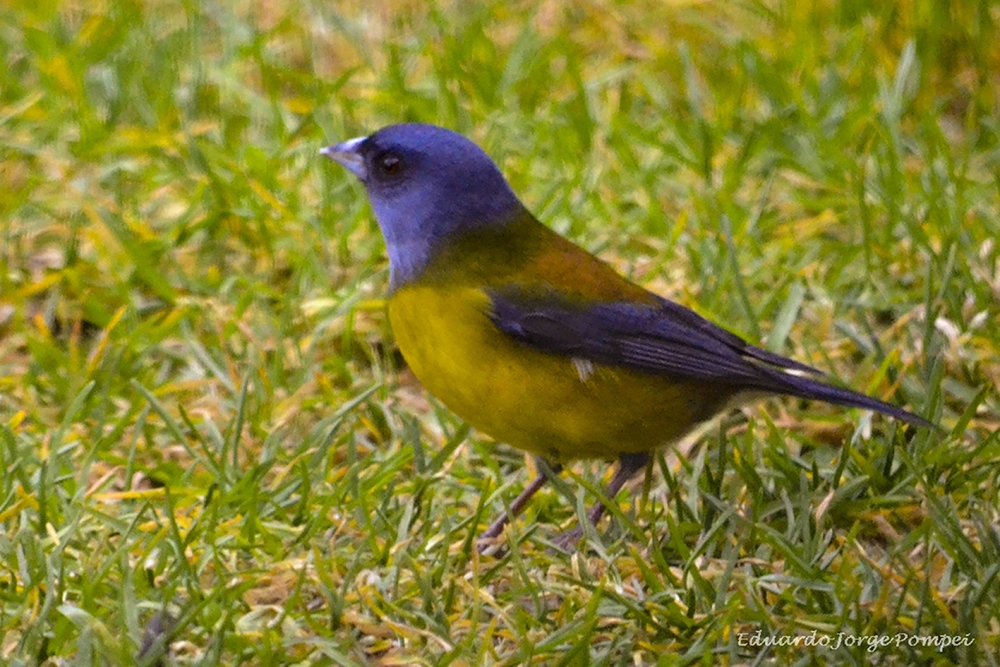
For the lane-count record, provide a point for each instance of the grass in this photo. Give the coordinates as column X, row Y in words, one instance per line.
column 202, row 410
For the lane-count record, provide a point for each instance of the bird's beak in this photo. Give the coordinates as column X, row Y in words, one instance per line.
column 348, row 154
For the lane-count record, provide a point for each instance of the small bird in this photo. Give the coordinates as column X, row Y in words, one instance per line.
column 533, row 340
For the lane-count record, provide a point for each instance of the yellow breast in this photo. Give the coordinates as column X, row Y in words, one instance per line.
column 547, row 404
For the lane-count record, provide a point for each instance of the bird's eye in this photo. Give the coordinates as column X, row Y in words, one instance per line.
column 389, row 163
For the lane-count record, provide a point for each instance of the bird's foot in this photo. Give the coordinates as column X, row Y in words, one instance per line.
column 493, row 547
column 568, row 540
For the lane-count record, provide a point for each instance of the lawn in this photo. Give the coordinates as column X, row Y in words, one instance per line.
column 202, row 409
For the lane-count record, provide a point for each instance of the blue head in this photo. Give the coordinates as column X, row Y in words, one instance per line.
column 425, row 183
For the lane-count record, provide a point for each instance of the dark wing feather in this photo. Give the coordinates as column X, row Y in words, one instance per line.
column 692, row 320
column 667, row 339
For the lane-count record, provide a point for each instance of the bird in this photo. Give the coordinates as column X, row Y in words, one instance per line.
column 535, row 341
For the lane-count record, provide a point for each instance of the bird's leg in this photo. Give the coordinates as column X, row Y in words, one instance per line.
column 629, row 465
column 545, row 469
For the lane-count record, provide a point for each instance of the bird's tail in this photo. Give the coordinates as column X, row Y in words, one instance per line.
column 804, row 387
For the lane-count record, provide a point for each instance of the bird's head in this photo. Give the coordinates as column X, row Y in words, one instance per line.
column 425, row 184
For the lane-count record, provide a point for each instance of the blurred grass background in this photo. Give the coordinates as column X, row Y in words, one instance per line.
column 201, row 408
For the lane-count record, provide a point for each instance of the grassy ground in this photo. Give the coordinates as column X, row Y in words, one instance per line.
column 201, row 407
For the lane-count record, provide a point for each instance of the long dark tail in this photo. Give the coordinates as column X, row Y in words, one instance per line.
column 804, row 387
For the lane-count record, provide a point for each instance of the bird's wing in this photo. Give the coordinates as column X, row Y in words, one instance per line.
column 663, row 339
column 667, row 339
